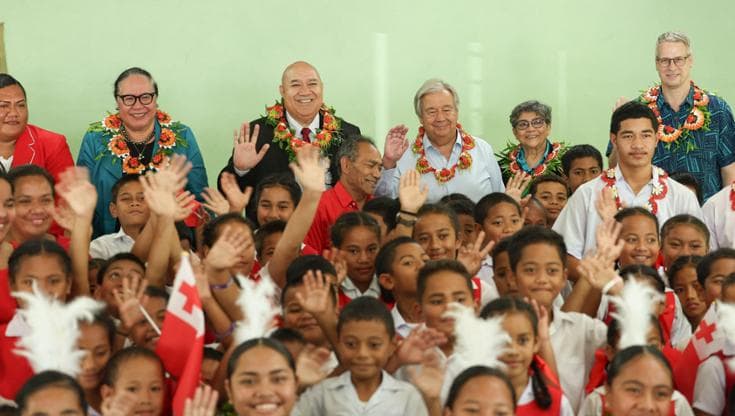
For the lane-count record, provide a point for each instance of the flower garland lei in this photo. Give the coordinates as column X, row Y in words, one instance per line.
column 699, row 117
column 658, row 192
column 326, row 137
column 445, row 174
column 110, row 128
column 508, row 160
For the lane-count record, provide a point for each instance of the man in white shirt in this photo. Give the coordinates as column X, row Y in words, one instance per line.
column 633, row 182
column 449, row 159
column 719, row 215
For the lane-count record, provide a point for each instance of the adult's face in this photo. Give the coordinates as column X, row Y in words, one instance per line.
column 531, row 130
column 362, row 174
column 13, row 113
column 301, row 90
column 674, row 64
column 136, row 116
column 439, row 117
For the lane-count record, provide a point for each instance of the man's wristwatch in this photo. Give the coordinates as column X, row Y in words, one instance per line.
column 406, row 222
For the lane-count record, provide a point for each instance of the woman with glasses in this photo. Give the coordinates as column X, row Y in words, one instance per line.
column 136, row 139
column 534, row 153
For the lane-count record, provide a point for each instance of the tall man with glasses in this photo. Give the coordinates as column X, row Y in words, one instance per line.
column 697, row 131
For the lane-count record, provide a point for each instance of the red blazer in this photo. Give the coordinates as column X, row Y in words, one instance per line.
column 44, row 148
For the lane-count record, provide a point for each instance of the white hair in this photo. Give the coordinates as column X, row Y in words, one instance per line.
column 431, row 86
column 673, row 37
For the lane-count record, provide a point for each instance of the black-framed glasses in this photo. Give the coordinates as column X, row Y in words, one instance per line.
column 535, row 123
column 678, row 61
column 129, row 99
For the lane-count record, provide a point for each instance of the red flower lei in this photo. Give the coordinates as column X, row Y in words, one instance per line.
column 119, row 147
column 538, row 170
column 659, row 190
column 698, row 118
column 284, row 136
column 445, row 174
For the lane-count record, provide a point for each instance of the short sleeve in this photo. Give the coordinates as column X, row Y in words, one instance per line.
column 572, row 223
column 709, row 388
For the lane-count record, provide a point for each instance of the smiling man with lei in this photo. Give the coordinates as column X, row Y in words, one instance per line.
column 449, row 159
column 134, row 140
column 266, row 145
column 696, row 129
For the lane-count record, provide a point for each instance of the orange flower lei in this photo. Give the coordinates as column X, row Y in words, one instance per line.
column 658, row 192
column 445, row 174
column 698, row 118
column 117, row 145
column 325, row 138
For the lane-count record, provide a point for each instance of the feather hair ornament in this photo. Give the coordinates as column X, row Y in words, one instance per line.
column 633, row 307
column 51, row 340
column 726, row 322
column 256, row 301
column 477, row 341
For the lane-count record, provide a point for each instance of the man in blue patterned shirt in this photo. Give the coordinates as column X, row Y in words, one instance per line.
column 688, row 142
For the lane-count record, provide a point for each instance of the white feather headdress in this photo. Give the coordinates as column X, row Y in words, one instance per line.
column 51, row 341
column 633, row 308
column 257, row 302
column 477, row 341
column 726, row 322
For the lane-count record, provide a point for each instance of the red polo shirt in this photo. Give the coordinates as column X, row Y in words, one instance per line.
column 332, row 204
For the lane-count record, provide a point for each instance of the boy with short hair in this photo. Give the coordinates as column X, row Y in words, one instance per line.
column 538, row 262
column 581, row 163
column 366, row 342
column 553, row 192
column 129, row 207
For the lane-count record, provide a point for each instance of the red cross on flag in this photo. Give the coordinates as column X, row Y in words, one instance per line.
column 182, row 336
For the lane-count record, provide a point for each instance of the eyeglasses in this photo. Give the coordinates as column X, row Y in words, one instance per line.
column 666, row 62
column 535, row 123
column 129, row 100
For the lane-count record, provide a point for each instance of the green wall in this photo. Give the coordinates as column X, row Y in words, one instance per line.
column 218, row 63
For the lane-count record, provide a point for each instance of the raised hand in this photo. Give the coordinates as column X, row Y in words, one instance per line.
column 215, row 201
column 237, row 199
column 472, row 255
column 78, row 192
column 204, row 402
column 122, row 403
column 543, row 320
column 130, row 299
column 395, row 145
column 226, row 251
column 421, row 339
column 609, row 246
column 171, row 176
column 316, row 298
column 185, row 201
column 605, row 205
column 411, row 193
column 202, row 283
column 244, row 156
column 429, row 378
column 339, row 263
column 517, row 184
column 64, row 216
column 311, row 168
column 596, row 272
column 310, row 365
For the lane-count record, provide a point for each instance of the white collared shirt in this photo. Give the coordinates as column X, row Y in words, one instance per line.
column 578, row 221
column 483, row 176
column 574, row 338
column 352, row 292
column 337, row 396
column 486, row 272
column 720, row 219
column 106, row 246
column 403, row 328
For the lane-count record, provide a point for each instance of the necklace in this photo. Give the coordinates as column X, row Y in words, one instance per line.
column 446, row 174
column 658, row 192
column 698, row 117
column 327, row 137
column 140, row 151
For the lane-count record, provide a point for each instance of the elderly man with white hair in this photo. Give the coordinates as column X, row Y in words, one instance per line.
column 449, row 159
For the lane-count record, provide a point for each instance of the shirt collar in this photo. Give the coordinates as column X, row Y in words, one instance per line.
column 297, row 127
column 654, row 174
column 387, row 383
column 372, row 290
column 120, row 234
column 559, row 317
column 457, row 141
column 689, row 100
column 343, row 197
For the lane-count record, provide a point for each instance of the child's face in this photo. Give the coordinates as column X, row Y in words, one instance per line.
column 269, row 247
column 296, row 318
column 364, row 347
column 34, row 207
column 246, row 259
column 553, row 197
column 683, row 240
column 443, row 288
column 275, row 203
column 503, row 275
column 583, row 170
column 523, row 345
column 502, row 220
column 112, row 281
column 690, row 293
column 409, row 259
column 468, row 230
column 47, row 271
column 359, row 248
column 94, row 342
column 7, row 208
column 540, row 273
column 130, row 208
column 262, row 384
column 643, row 386
column 437, row 236
column 53, row 401
column 143, row 377
column 535, row 215
column 713, row 282
column 484, row 395
column 208, row 370
column 641, row 241
column 142, row 333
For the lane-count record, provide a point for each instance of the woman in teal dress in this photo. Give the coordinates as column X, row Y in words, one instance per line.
column 134, row 140
column 534, row 154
